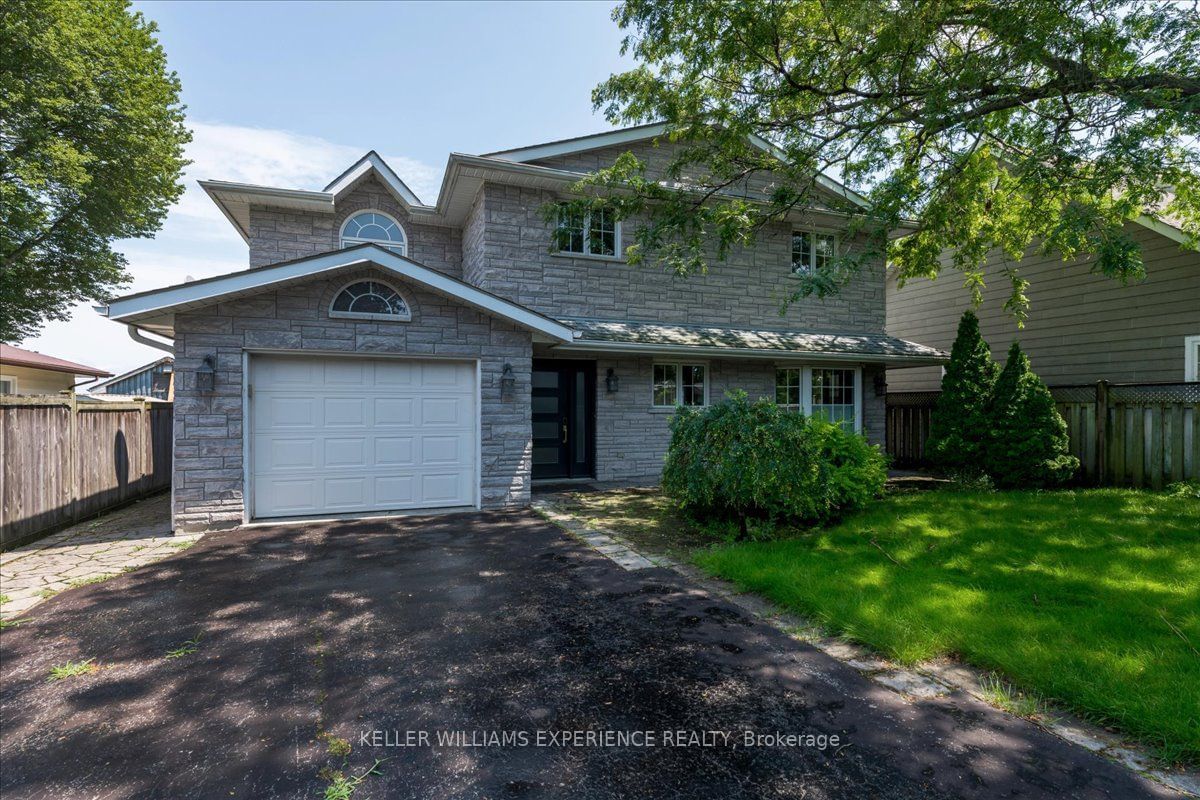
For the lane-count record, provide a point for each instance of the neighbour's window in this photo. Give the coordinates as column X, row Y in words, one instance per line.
column 831, row 394
column 1191, row 361
column 374, row 227
column 680, row 385
column 370, row 300
column 8, row 385
column 591, row 233
column 812, row 251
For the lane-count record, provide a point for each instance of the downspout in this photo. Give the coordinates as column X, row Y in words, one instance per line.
column 141, row 338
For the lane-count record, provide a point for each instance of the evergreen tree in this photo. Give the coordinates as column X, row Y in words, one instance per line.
column 1027, row 437
column 958, row 430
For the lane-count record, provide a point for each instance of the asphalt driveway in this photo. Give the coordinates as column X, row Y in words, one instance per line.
column 477, row 627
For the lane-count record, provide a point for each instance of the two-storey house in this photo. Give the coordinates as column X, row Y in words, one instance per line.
column 381, row 354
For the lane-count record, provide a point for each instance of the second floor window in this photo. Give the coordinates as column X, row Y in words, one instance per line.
column 588, row 233
column 375, row 227
column 812, row 251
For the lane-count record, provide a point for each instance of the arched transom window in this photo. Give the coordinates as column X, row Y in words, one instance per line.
column 370, row 300
column 374, row 227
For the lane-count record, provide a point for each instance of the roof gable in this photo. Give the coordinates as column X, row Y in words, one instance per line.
column 373, row 164
column 640, row 133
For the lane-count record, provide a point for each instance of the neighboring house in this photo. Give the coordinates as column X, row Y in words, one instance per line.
column 382, row 354
column 29, row 373
column 1083, row 327
column 149, row 380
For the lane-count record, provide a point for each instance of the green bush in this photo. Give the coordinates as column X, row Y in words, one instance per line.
column 1028, row 446
column 959, row 424
column 749, row 462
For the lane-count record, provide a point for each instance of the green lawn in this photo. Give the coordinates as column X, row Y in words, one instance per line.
column 1089, row 598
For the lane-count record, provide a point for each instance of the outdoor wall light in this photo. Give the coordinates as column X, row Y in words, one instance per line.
column 880, row 384
column 508, row 381
column 611, row 381
column 206, row 375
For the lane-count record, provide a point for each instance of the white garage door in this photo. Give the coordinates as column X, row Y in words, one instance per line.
column 342, row 435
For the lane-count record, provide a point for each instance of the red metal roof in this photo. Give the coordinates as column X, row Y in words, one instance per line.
column 28, row 358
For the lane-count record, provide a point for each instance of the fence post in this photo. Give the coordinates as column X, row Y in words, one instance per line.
column 1101, row 431
column 73, row 454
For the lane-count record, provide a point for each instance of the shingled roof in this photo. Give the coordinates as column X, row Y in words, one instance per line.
column 19, row 357
column 650, row 335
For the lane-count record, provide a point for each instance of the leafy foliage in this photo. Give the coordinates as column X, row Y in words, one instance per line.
column 1027, row 438
column 959, row 424
column 1043, row 124
column 755, row 461
column 91, row 150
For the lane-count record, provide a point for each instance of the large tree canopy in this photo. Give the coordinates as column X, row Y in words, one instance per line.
column 91, row 150
column 993, row 123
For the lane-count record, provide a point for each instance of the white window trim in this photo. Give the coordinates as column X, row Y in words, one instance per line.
column 679, row 365
column 806, row 388
column 365, row 315
column 11, row 380
column 812, row 232
column 1191, row 358
column 587, row 227
column 345, row 241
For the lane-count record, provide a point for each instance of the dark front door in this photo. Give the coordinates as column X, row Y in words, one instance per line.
column 564, row 416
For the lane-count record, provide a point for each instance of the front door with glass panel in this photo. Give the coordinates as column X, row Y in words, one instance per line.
column 564, row 415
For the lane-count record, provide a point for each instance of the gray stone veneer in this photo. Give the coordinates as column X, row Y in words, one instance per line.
column 632, row 437
column 208, row 477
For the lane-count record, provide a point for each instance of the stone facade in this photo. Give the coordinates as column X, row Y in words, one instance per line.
column 632, row 436
column 209, row 488
column 278, row 234
column 511, row 256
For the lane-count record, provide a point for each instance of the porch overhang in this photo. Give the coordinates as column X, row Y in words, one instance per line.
column 652, row 339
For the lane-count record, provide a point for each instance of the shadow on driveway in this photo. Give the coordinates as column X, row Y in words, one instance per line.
column 478, row 623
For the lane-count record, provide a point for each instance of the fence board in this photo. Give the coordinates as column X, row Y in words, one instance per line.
column 1144, row 435
column 63, row 461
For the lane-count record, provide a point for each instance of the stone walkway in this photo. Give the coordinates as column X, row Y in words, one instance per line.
column 89, row 552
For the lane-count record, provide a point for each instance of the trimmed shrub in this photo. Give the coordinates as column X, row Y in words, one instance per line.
column 746, row 462
column 1028, row 445
column 958, row 426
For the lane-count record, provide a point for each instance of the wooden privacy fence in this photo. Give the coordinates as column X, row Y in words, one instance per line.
column 64, row 460
column 1124, row 434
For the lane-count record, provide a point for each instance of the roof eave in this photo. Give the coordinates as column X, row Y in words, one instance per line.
column 776, row 354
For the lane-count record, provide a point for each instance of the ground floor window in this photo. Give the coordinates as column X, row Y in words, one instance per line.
column 680, row 385
column 829, row 392
column 1191, row 361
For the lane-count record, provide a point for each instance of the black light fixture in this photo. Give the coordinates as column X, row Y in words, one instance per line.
column 508, row 381
column 611, row 381
column 880, row 384
column 206, row 375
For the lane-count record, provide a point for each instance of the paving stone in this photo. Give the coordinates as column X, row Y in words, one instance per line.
column 632, row 561
column 912, row 684
column 1186, row 782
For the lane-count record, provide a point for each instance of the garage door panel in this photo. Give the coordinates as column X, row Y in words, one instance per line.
column 341, row 412
column 276, row 411
column 349, row 435
column 346, row 452
column 453, row 411
column 394, row 451
column 346, row 494
column 442, row 487
column 396, row 491
column 279, row 454
column 394, row 411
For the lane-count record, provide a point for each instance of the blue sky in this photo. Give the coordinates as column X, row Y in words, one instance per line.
column 289, row 94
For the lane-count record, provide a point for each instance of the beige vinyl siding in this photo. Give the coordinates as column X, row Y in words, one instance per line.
column 1082, row 327
column 38, row 381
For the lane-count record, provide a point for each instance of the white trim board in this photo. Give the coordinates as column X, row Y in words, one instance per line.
column 205, row 292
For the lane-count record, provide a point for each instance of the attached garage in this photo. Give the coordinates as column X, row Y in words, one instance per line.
column 350, row 434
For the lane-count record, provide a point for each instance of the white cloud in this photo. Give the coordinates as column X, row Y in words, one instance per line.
column 198, row 241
